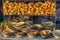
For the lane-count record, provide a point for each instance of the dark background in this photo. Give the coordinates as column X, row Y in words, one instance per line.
column 1, row 14
column 57, row 14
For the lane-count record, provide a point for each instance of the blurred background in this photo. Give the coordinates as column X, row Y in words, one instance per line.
column 57, row 14
column 1, row 14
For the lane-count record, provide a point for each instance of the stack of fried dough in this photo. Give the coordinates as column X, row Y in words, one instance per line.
column 31, row 8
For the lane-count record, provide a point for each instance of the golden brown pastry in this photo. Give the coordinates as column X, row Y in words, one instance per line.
column 33, row 32
column 45, row 32
column 19, row 24
column 20, row 32
column 38, row 25
column 38, row 8
column 7, row 31
column 25, row 28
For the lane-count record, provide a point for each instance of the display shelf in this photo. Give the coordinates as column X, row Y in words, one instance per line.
column 22, row 20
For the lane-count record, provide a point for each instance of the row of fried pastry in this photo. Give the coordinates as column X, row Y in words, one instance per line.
column 38, row 8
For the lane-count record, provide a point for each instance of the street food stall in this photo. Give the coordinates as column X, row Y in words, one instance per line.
column 29, row 19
